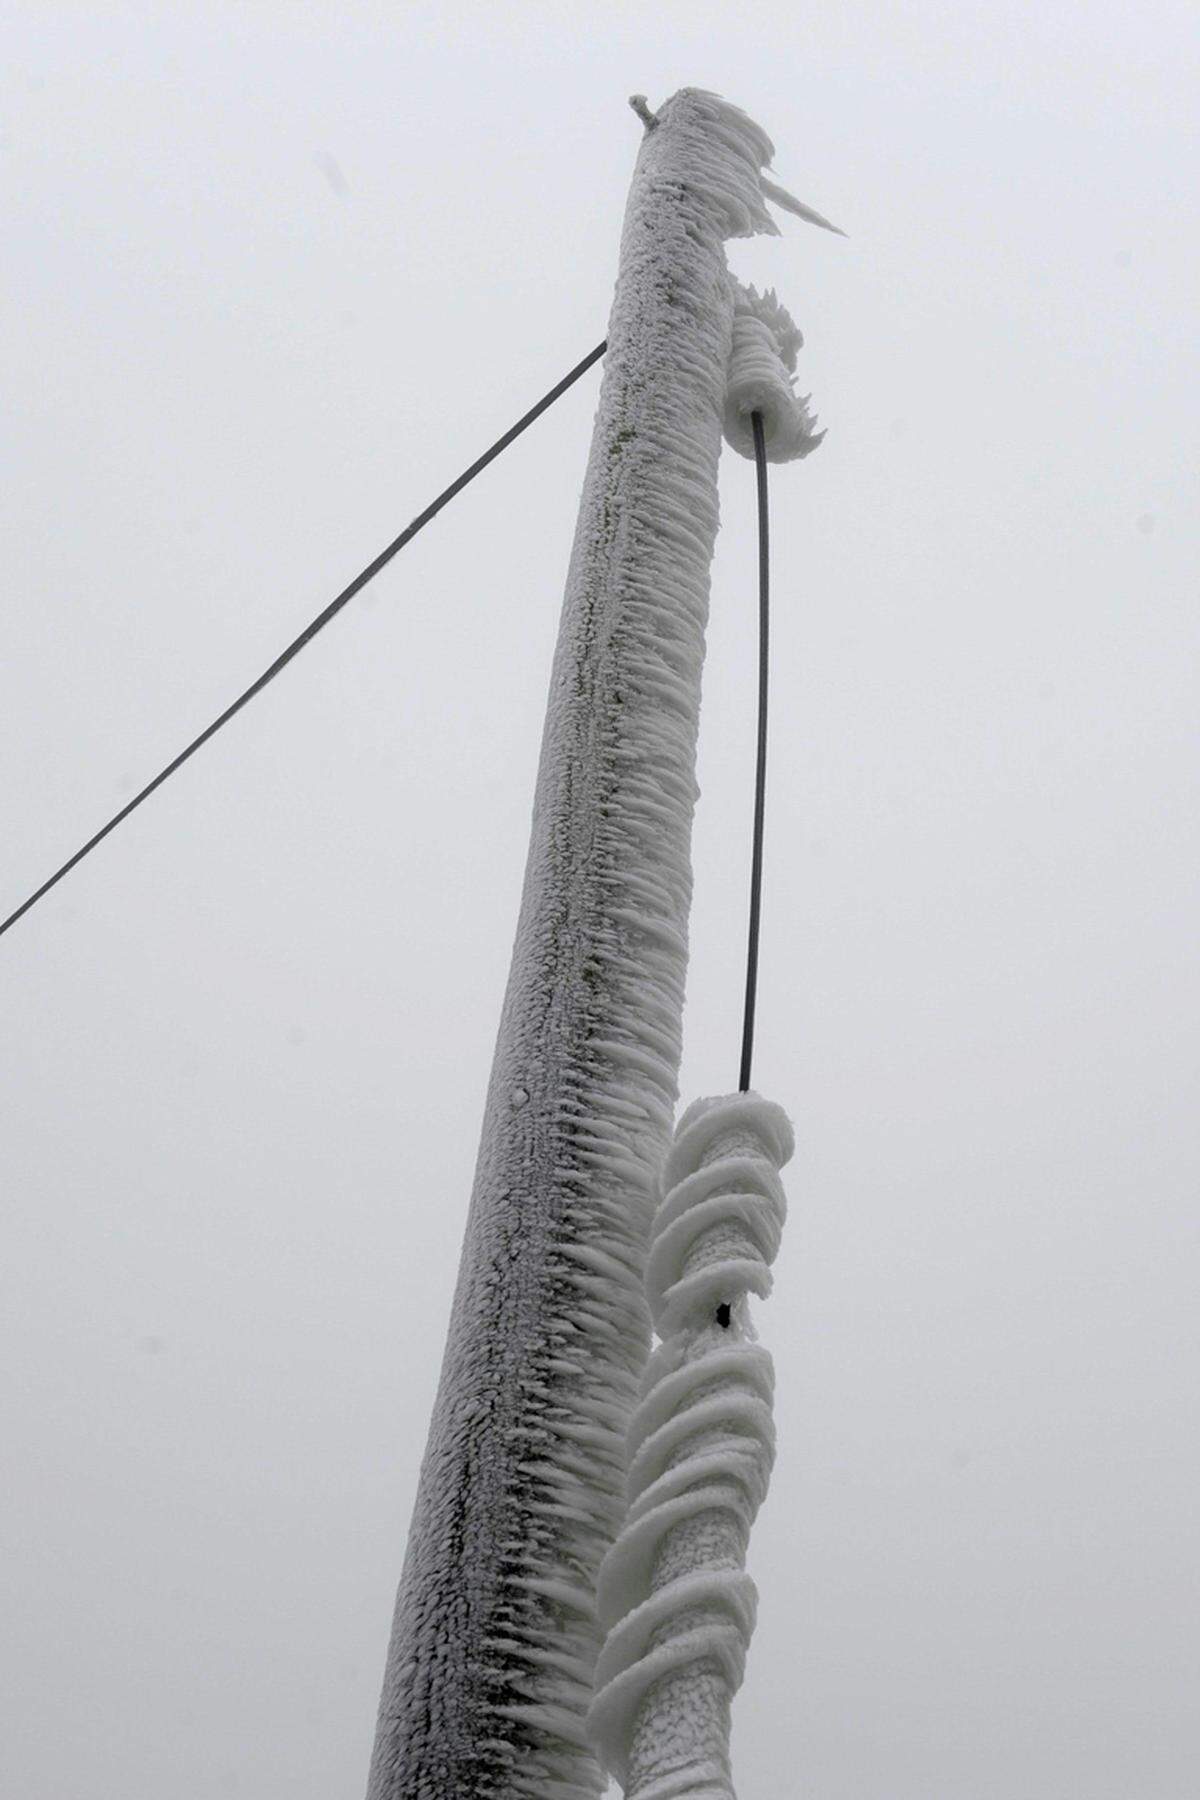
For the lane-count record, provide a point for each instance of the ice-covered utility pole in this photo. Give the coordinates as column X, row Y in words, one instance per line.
column 490, row 1669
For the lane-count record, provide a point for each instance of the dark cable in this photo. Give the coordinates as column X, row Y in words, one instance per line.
column 760, row 771
column 322, row 619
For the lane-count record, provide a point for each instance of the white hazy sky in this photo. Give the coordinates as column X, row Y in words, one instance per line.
column 274, row 274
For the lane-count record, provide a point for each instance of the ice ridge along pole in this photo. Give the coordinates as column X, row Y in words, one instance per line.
column 489, row 1671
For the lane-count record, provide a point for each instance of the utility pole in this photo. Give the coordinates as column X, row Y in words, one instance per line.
column 490, row 1668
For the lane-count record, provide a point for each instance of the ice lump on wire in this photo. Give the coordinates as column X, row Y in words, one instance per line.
column 762, row 364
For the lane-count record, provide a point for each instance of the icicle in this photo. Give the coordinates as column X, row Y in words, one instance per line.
column 762, row 379
column 673, row 1591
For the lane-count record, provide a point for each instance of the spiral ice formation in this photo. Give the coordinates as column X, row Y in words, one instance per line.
column 761, row 378
column 673, row 1591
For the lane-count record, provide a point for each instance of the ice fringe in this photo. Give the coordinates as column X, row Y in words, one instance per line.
column 673, row 1590
column 489, row 1671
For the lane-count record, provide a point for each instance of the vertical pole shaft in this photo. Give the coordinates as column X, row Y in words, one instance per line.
column 489, row 1671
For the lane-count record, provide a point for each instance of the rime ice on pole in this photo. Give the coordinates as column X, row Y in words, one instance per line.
column 489, row 1672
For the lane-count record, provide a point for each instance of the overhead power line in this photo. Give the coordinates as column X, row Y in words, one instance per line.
column 318, row 624
column 760, row 769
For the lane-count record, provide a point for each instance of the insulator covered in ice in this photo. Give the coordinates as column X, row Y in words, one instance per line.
column 762, row 365
column 673, row 1591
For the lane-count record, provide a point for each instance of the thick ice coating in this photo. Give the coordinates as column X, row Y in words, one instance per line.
column 673, row 1591
column 489, row 1672
column 762, row 379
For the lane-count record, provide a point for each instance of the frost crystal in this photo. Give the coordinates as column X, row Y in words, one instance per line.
column 489, row 1671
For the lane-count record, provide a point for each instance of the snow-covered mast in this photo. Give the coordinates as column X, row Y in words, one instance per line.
column 489, row 1672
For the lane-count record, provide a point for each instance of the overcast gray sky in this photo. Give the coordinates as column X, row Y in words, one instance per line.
column 275, row 273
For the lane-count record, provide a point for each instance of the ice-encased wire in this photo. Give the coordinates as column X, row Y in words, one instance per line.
column 673, row 1591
